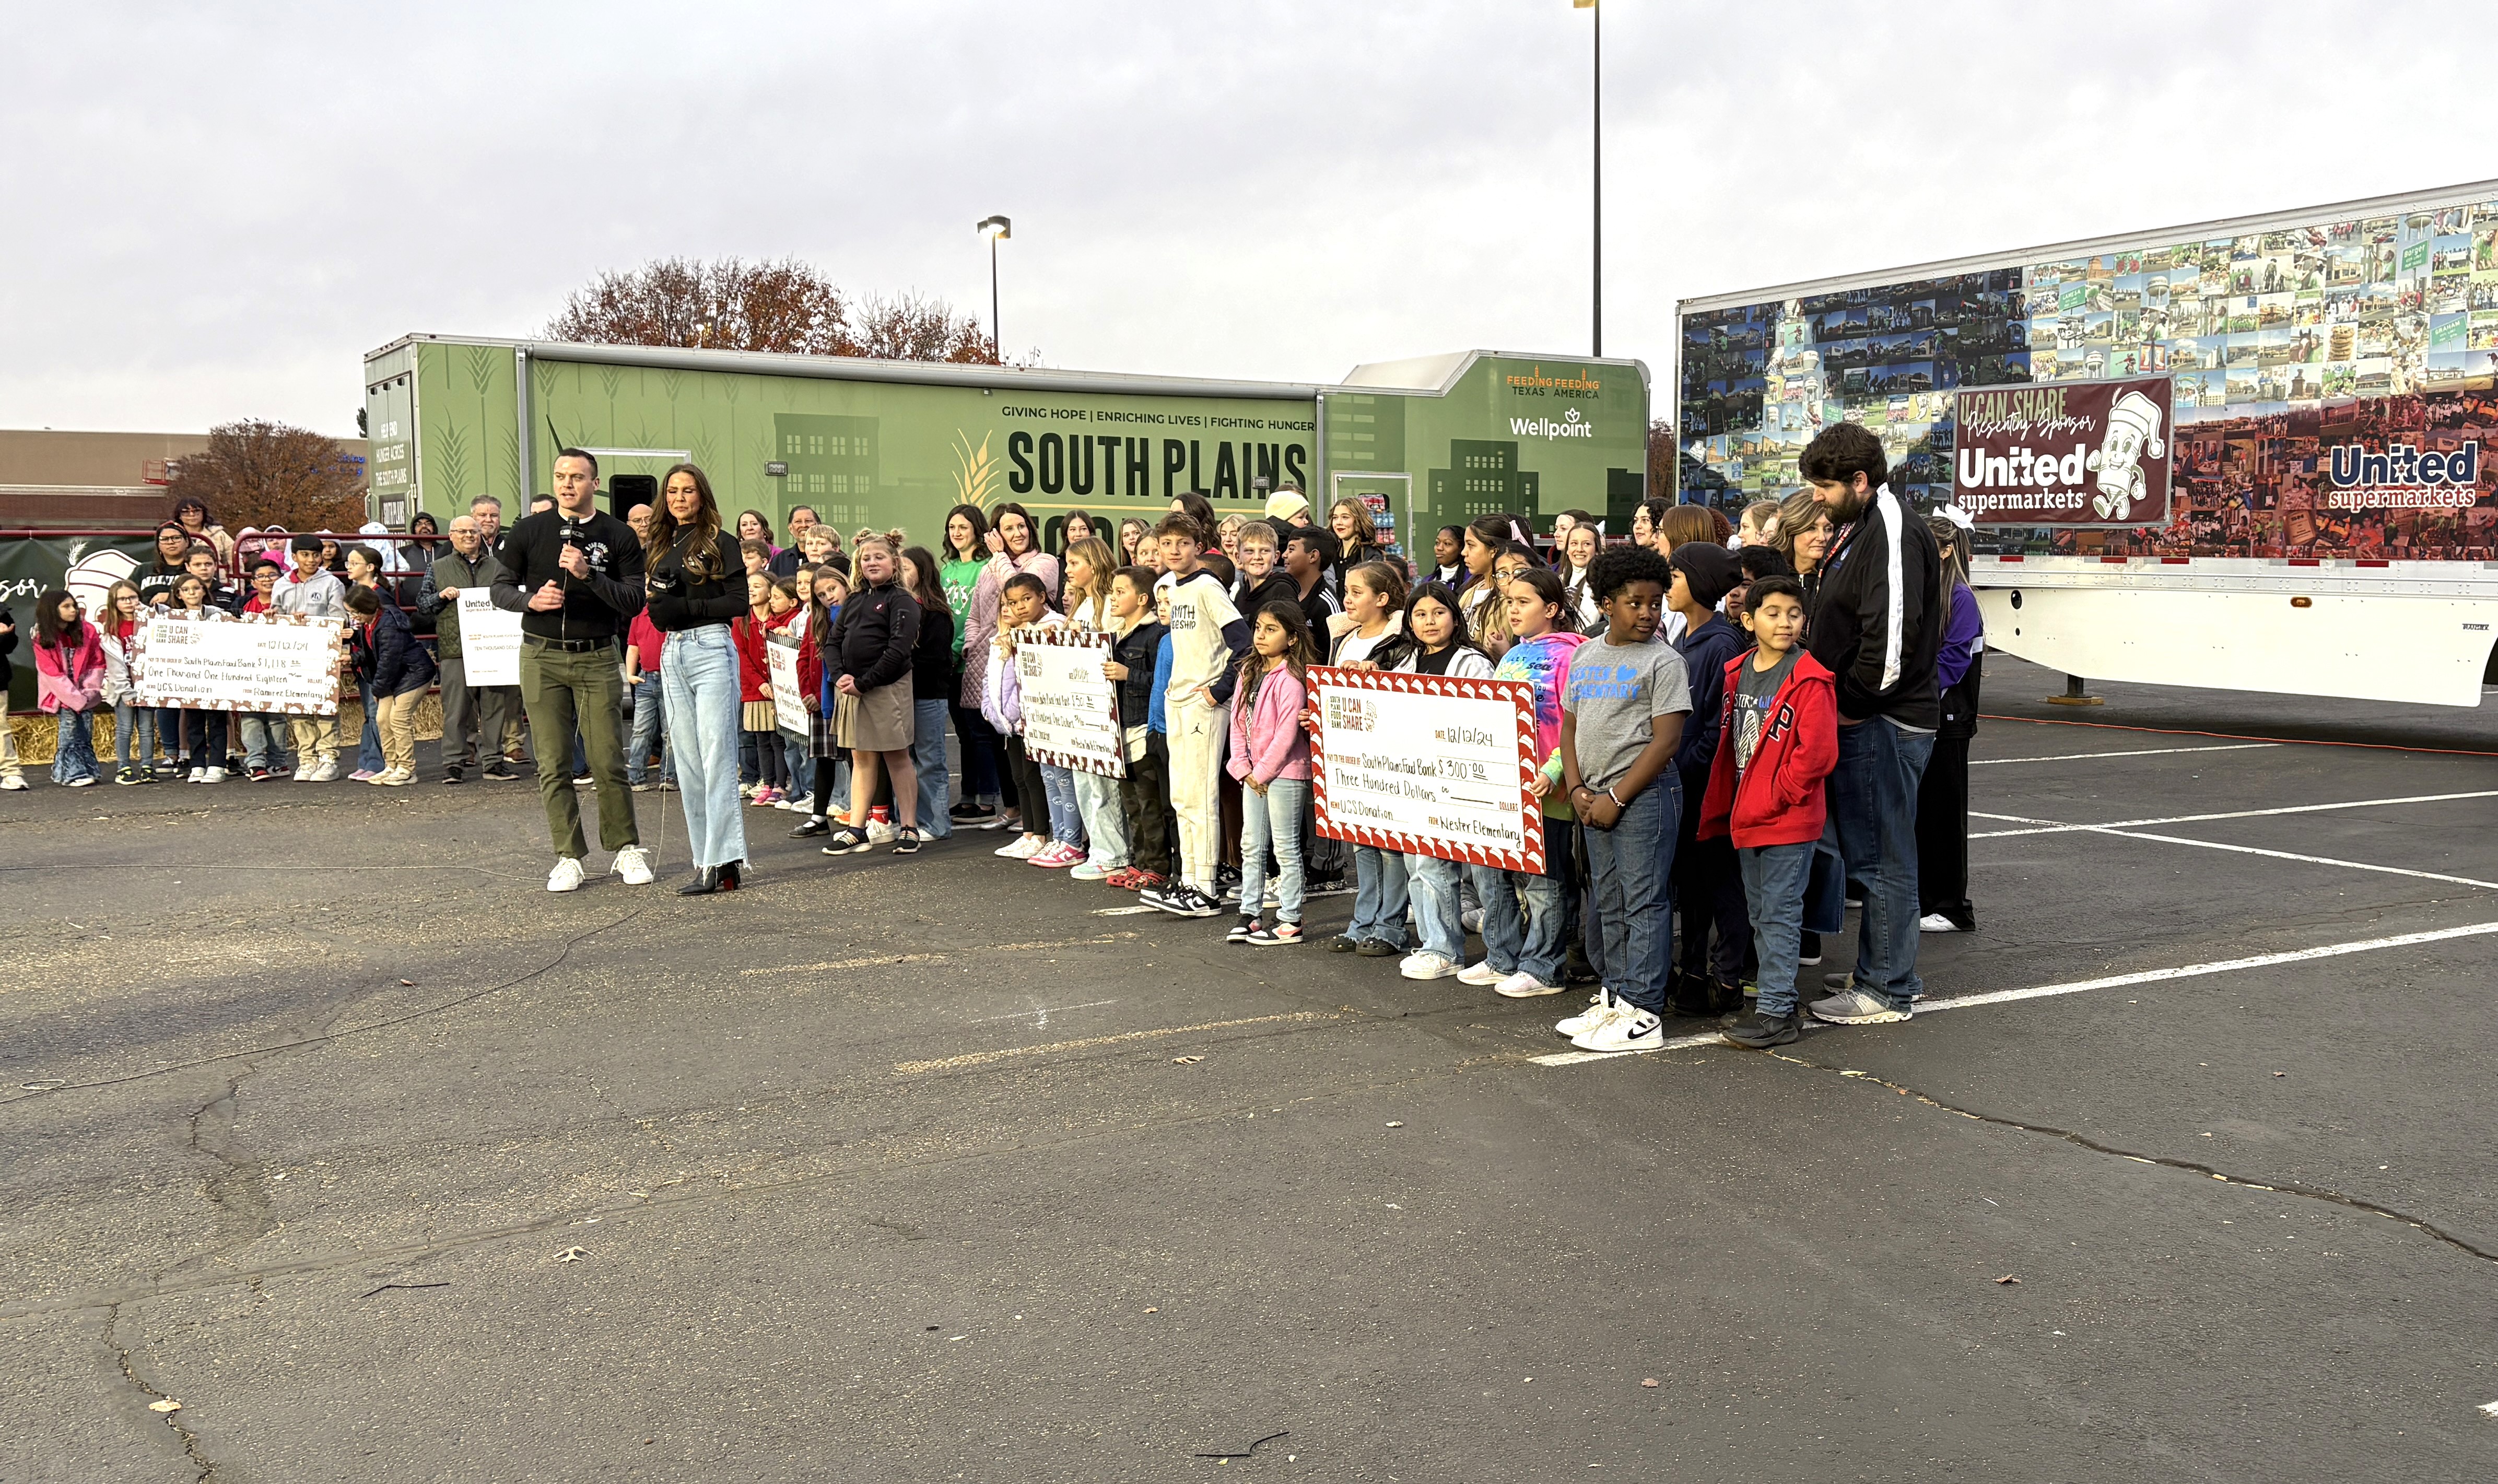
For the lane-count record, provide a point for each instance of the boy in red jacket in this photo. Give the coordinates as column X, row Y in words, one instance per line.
column 1778, row 743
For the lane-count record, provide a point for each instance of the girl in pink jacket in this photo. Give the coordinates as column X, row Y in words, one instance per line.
column 1270, row 756
column 69, row 670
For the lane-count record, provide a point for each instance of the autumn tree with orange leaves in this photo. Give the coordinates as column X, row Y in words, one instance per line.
column 787, row 307
column 261, row 473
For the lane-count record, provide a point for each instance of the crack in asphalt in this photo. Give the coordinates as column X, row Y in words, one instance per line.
column 206, row 1467
column 2278, row 1187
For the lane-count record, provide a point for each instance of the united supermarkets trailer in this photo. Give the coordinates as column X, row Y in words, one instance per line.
column 2298, row 497
column 1423, row 442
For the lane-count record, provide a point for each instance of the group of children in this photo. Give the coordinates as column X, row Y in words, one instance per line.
column 1653, row 752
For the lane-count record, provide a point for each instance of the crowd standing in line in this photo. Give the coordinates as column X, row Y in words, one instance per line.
column 1738, row 725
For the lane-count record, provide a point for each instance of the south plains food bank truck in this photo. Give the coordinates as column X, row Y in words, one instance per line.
column 881, row 443
column 2253, row 454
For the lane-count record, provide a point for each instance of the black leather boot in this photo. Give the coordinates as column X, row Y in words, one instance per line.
column 705, row 882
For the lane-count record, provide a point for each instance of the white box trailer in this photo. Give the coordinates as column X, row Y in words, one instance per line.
column 2329, row 523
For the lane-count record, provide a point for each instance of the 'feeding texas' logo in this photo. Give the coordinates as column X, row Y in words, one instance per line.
column 2403, row 477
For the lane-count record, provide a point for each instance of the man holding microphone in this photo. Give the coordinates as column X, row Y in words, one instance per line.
column 574, row 574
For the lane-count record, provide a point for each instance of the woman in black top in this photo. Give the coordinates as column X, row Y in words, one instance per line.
column 695, row 580
column 932, row 689
column 867, row 672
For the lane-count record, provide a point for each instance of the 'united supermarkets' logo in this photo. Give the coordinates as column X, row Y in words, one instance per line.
column 2403, row 477
column 1568, row 425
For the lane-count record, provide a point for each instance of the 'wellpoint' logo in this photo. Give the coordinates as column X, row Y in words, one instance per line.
column 2403, row 477
column 1569, row 425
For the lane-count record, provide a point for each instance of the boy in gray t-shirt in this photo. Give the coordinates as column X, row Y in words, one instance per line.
column 1622, row 713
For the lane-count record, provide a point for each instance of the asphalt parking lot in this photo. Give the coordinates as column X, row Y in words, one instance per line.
column 318, row 1117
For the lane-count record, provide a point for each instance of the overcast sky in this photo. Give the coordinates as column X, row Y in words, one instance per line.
column 213, row 211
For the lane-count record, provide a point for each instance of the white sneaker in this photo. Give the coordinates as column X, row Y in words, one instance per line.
column 1935, row 922
column 196, row 776
column 1482, row 973
column 213, row 775
column 1024, row 847
column 1626, row 1030
column 1086, row 870
column 567, row 875
column 1425, row 965
column 12, row 784
column 880, row 833
column 1525, row 986
column 1600, row 1009
column 79, row 782
column 633, row 864
column 328, row 772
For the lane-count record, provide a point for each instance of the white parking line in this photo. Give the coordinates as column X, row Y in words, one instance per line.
column 1926, row 1007
column 2042, row 828
column 2311, row 860
column 2076, row 757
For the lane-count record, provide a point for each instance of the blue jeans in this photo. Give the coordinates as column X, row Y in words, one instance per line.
column 369, row 747
column 1273, row 822
column 1634, row 928
column 1097, row 800
column 928, row 761
column 1873, row 803
column 1526, row 917
column 169, row 733
column 1066, row 820
column 698, row 685
column 264, row 740
column 1774, row 884
column 799, row 763
column 648, row 706
column 1433, row 883
column 74, row 750
column 1380, row 896
column 134, row 734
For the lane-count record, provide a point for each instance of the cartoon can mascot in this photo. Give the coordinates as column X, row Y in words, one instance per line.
column 2132, row 434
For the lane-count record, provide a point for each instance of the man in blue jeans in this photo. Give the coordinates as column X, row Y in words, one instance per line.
column 1875, row 626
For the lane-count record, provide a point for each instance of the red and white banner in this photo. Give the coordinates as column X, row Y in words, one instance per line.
column 1422, row 765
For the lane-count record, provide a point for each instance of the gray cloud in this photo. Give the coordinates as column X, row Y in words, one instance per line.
column 215, row 213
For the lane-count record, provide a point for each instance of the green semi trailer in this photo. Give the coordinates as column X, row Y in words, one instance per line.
column 879, row 443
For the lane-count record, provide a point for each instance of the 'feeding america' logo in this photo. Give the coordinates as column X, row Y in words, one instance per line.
column 2403, row 477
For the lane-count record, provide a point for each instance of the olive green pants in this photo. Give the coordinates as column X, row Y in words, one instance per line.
column 562, row 690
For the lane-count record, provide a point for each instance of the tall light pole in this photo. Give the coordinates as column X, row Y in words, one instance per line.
column 994, row 228
column 1596, row 126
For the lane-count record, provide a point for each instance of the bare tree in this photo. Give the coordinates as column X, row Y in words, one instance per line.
column 786, row 305
column 261, row 473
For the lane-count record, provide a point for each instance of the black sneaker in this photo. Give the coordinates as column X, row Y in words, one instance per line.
column 452, row 776
column 848, row 841
column 1760, row 1032
column 905, row 842
column 1344, row 943
column 499, row 771
column 1809, row 949
column 127, row 776
column 1165, row 898
column 1241, row 930
column 1576, row 969
column 1196, row 904
column 812, row 826
column 970, row 812
column 1281, row 936
column 1328, row 886
column 257, row 775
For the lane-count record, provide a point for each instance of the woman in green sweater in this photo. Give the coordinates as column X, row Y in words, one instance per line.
column 967, row 530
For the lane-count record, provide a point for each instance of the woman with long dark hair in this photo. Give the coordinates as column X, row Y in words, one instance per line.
column 958, row 575
column 1014, row 546
column 696, row 586
column 1943, row 794
column 932, row 689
